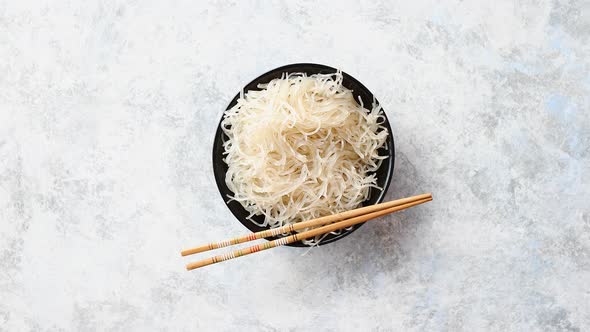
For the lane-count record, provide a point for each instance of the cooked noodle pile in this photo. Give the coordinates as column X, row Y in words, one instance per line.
column 301, row 148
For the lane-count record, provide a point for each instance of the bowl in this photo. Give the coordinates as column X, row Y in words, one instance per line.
column 383, row 174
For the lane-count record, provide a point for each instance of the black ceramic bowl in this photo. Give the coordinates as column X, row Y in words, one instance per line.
column 384, row 173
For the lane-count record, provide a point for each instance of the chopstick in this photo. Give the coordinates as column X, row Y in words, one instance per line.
column 305, row 224
column 304, row 235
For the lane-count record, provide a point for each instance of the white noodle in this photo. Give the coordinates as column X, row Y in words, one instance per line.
column 301, row 148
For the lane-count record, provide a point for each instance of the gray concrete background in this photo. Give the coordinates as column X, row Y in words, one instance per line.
column 107, row 115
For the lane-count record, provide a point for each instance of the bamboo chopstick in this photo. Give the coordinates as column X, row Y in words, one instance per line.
column 305, row 224
column 303, row 235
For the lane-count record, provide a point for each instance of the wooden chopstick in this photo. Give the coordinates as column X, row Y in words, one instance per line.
column 304, row 235
column 305, row 224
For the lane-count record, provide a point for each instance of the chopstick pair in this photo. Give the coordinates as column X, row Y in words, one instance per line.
column 334, row 222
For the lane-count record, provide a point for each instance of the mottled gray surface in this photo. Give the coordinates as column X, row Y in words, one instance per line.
column 107, row 115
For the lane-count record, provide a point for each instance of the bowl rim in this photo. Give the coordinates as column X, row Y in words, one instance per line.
column 217, row 143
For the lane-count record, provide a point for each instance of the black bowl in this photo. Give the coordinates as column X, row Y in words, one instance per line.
column 384, row 173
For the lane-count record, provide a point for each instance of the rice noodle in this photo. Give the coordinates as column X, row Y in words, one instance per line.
column 301, row 148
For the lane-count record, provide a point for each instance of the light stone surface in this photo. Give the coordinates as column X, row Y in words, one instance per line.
column 107, row 116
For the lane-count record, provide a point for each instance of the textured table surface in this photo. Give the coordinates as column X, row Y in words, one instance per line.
column 107, row 116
